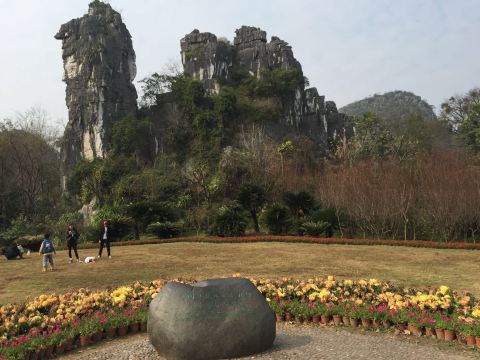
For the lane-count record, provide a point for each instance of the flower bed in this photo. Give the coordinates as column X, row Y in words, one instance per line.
column 297, row 239
column 56, row 323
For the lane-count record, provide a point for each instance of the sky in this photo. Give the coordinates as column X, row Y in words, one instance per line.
column 348, row 49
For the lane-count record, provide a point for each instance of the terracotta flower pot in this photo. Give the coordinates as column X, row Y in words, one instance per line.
column 353, row 322
column 337, row 320
column 346, row 320
column 315, row 319
column 60, row 349
column 143, row 325
column 298, row 319
column 376, row 323
column 325, row 319
column 49, row 351
column 69, row 345
column 477, row 340
column 111, row 332
column 429, row 332
column 122, row 330
column 97, row 336
column 460, row 339
column 440, row 333
column 449, row 335
column 289, row 316
column 470, row 340
column 133, row 328
column 32, row 355
column 280, row 317
column 366, row 323
column 85, row 340
column 414, row 330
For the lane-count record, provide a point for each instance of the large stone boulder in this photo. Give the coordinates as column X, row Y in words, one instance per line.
column 212, row 319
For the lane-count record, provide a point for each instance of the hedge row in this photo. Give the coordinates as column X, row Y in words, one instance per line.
column 297, row 239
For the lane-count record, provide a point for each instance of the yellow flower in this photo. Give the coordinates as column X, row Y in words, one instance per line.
column 443, row 289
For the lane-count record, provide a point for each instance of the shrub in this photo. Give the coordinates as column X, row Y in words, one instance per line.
column 165, row 229
column 231, row 220
column 277, row 219
column 121, row 226
column 326, row 215
column 314, row 228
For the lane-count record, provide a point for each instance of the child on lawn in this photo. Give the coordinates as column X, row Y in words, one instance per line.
column 47, row 250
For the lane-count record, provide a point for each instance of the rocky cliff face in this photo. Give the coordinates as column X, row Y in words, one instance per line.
column 214, row 61
column 99, row 64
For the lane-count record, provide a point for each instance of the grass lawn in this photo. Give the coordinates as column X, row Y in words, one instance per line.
column 458, row 269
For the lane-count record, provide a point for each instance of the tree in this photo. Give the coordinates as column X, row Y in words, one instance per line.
column 252, row 197
column 29, row 177
column 300, row 204
column 469, row 130
column 459, row 107
column 131, row 137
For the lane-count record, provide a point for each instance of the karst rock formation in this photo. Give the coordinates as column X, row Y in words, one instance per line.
column 214, row 61
column 99, row 67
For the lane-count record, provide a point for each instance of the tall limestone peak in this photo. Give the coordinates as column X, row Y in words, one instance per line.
column 99, row 67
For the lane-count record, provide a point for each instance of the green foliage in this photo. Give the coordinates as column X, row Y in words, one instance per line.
column 469, row 130
column 277, row 219
column 130, row 137
column 153, row 86
column 300, row 203
column 165, row 229
column 83, row 170
column 230, row 220
column 280, row 82
column 314, row 228
column 252, row 197
column 146, row 212
column 19, row 228
column 391, row 106
column 121, row 225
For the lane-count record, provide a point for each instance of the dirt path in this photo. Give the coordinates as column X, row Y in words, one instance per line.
column 306, row 342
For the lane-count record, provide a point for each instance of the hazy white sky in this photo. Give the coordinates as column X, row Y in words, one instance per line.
column 348, row 49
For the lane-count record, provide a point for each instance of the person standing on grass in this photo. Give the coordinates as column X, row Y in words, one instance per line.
column 72, row 237
column 105, row 239
column 47, row 250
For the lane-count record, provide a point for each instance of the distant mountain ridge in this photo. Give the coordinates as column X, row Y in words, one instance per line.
column 391, row 105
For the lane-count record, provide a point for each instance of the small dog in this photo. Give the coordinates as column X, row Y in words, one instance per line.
column 89, row 259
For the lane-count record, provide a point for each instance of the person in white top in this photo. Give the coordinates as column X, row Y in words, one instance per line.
column 105, row 239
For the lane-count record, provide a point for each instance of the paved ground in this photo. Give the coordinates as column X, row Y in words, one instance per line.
column 306, row 342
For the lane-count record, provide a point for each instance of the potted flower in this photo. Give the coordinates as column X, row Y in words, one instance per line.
column 320, row 313
column 468, row 329
column 278, row 310
column 122, row 322
column 378, row 314
column 427, row 322
column 336, row 311
column 308, row 312
column 143, row 317
column 401, row 319
column 353, row 314
column 289, row 305
column 364, row 314
column 87, row 328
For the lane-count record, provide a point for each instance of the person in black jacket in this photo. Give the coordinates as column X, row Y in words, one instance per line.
column 105, row 238
column 12, row 252
column 72, row 239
